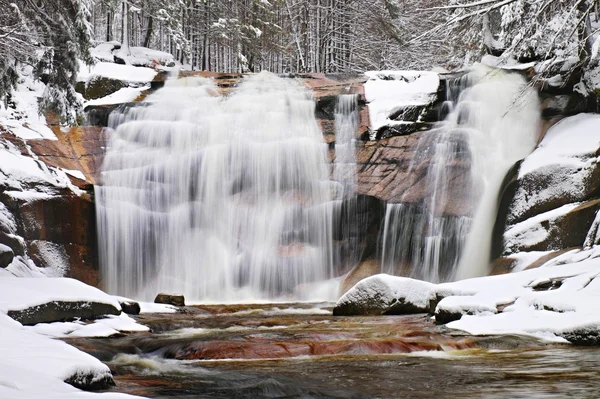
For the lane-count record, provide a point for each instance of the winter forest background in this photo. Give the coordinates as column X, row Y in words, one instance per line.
column 55, row 37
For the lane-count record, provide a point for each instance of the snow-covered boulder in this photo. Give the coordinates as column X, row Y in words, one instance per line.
column 389, row 295
column 25, row 353
column 105, row 78
column 555, row 195
column 454, row 307
column 45, row 300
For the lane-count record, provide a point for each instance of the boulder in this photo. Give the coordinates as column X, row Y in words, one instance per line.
column 562, row 228
column 6, row 255
column 553, row 198
column 367, row 268
column 454, row 307
column 584, row 336
column 54, row 311
column 101, row 87
column 383, row 294
column 87, row 380
column 170, row 299
column 130, row 307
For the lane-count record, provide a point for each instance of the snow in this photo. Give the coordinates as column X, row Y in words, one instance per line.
column 525, row 259
column 139, row 56
column 386, row 288
column 124, row 95
column 22, row 293
column 35, row 366
column 466, row 304
column 125, row 73
column 559, row 169
column 509, row 303
column 385, row 91
column 106, row 327
column 536, row 229
column 573, row 141
column 23, row 119
column 75, row 173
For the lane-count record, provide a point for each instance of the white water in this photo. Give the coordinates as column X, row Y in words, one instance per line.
column 493, row 124
column 221, row 199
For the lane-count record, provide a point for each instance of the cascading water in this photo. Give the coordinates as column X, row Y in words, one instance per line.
column 346, row 124
column 344, row 172
column 490, row 125
column 217, row 198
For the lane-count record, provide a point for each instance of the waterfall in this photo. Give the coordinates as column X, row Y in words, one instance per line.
column 344, row 172
column 491, row 123
column 346, row 124
column 219, row 198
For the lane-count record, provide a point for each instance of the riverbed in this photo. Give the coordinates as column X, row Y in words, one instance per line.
column 299, row 350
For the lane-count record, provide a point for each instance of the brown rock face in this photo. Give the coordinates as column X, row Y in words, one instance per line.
column 385, row 172
column 81, row 148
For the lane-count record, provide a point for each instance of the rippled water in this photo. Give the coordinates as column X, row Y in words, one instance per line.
column 301, row 351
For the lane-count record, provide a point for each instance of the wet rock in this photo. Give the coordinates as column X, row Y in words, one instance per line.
column 384, row 172
column 54, row 311
column 90, row 380
column 589, row 336
column 367, row 268
column 387, row 295
column 130, row 307
column 170, row 299
column 6, row 255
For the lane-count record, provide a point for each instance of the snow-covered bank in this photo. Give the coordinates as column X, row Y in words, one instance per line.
column 556, row 301
column 33, row 364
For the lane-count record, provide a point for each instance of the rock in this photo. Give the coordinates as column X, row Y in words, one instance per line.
column 90, row 381
column 102, row 87
column 553, row 198
column 384, row 172
column 130, row 307
column 565, row 227
column 6, row 255
column 53, row 311
column 454, row 307
column 367, row 268
column 356, row 230
column 387, row 295
column 170, row 299
column 586, row 336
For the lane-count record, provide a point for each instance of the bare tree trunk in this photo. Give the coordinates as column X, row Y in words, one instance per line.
column 149, row 32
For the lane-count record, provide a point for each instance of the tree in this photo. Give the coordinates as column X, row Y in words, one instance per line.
column 52, row 36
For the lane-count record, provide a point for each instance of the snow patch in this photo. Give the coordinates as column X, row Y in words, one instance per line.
column 385, row 91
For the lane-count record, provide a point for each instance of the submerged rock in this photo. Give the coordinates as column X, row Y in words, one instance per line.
column 170, row 299
column 387, row 295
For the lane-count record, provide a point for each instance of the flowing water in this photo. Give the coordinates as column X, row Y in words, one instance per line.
column 219, row 198
column 491, row 123
column 301, row 351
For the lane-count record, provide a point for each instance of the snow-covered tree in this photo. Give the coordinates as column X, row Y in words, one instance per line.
column 52, row 36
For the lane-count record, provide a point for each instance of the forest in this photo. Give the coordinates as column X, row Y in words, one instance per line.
column 290, row 36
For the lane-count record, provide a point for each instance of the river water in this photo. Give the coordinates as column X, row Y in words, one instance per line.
column 301, row 351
